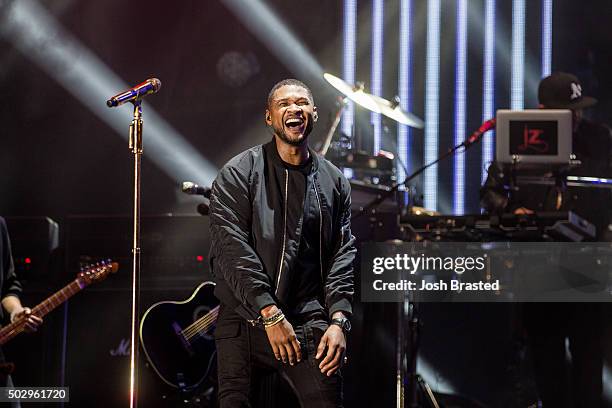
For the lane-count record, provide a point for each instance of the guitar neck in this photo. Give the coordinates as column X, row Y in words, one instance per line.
column 59, row 297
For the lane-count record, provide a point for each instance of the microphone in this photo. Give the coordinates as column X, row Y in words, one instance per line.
column 485, row 127
column 150, row 86
column 189, row 187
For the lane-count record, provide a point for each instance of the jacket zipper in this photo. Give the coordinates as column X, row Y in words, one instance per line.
column 280, row 267
column 320, row 232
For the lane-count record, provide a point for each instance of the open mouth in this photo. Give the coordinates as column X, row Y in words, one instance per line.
column 294, row 123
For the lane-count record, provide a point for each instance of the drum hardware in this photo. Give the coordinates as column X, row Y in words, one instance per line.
column 356, row 160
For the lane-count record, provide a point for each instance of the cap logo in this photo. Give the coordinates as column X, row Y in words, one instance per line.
column 576, row 91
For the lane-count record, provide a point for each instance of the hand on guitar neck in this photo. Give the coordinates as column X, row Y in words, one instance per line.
column 13, row 306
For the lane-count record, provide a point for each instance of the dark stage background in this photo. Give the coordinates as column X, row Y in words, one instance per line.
column 59, row 159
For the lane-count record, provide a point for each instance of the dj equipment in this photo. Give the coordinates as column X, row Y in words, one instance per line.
column 548, row 226
column 537, row 136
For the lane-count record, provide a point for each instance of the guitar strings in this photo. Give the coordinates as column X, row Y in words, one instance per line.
column 189, row 330
column 201, row 325
column 202, row 322
column 197, row 326
column 205, row 322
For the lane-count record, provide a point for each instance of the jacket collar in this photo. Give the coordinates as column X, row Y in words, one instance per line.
column 274, row 157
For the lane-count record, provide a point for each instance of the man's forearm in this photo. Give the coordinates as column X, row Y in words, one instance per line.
column 11, row 303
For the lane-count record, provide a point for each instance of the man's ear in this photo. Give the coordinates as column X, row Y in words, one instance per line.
column 268, row 118
column 315, row 114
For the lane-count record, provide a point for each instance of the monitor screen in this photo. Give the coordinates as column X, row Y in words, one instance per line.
column 536, row 136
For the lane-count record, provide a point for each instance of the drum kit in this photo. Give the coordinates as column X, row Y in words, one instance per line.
column 373, row 176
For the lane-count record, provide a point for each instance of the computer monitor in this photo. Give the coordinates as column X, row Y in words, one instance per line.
column 536, row 136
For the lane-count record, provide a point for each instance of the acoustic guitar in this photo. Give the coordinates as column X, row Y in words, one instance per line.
column 176, row 337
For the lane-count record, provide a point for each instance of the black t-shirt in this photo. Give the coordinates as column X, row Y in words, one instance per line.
column 306, row 282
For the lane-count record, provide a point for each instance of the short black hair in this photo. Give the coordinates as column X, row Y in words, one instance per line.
column 289, row 82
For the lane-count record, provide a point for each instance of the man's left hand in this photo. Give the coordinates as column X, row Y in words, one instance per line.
column 335, row 342
column 31, row 322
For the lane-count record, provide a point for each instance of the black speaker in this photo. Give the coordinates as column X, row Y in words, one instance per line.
column 98, row 350
column 35, row 243
column 36, row 254
column 98, row 325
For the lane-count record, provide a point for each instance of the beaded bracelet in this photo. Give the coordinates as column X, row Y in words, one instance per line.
column 273, row 320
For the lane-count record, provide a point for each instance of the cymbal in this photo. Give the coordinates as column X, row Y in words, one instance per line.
column 354, row 93
column 393, row 111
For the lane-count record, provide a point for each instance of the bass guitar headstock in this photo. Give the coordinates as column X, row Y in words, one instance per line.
column 97, row 272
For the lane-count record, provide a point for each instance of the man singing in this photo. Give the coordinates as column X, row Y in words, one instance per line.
column 282, row 254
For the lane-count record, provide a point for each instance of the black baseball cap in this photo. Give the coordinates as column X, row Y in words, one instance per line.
column 563, row 91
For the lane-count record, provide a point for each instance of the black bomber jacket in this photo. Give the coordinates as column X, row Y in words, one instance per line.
column 251, row 254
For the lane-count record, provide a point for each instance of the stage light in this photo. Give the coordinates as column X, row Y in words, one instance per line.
column 257, row 16
column 460, row 107
column 377, row 67
column 405, row 88
column 607, row 382
column 517, row 75
column 488, row 85
column 547, row 9
column 348, row 61
column 39, row 37
column 432, row 96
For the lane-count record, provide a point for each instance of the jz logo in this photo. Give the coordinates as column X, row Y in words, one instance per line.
column 532, row 141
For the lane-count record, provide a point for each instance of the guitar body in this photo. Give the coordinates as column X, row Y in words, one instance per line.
column 177, row 338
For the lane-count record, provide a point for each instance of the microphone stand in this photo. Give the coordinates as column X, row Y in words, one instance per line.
column 135, row 145
column 383, row 196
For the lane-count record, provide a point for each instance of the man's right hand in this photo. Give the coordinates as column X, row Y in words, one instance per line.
column 523, row 211
column 282, row 338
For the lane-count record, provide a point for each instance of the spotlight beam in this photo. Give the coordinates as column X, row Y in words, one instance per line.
column 404, row 134
column 377, row 67
column 460, row 106
column 38, row 36
column 488, row 85
column 432, row 103
column 349, row 59
column 275, row 35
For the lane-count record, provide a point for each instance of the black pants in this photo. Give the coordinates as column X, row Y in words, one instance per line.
column 548, row 325
column 243, row 352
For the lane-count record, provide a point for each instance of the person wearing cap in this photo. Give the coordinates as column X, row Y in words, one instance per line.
column 548, row 325
column 592, row 146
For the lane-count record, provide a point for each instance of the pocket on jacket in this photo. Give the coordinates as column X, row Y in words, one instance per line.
column 227, row 330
